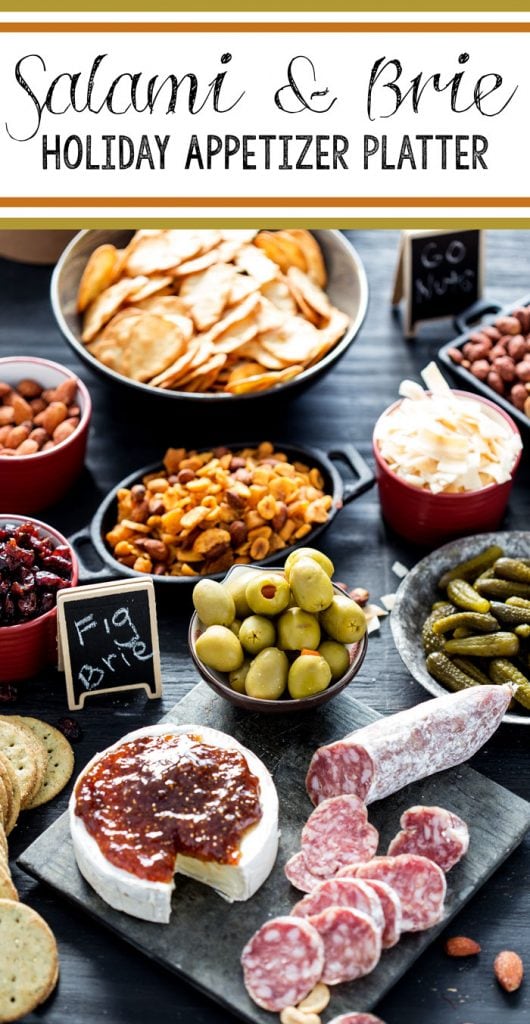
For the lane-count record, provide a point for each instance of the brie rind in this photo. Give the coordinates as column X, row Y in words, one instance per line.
column 151, row 901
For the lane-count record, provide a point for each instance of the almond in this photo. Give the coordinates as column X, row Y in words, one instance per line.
column 460, row 945
column 508, row 969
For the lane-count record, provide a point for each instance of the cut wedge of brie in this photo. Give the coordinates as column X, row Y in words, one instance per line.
column 151, row 900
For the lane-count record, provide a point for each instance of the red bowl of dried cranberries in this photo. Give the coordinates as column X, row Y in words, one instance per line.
column 36, row 562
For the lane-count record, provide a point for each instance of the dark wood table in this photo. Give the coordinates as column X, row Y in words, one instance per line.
column 101, row 978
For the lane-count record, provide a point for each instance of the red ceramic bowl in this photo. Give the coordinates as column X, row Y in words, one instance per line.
column 425, row 518
column 29, row 483
column 31, row 646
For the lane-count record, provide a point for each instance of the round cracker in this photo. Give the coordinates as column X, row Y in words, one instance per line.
column 5, row 802
column 24, row 724
column 7, row 888
column 29, row 951
column 60, row 760
column 4, row 852
column 22, row 749
column 13, row 791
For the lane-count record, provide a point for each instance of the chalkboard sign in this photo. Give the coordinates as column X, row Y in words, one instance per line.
column 108, row 640
column 439, row 274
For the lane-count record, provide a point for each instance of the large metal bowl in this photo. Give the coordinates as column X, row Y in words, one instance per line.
column 347, row 288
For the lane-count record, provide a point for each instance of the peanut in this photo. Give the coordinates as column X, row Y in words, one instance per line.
column 16, row 436
column 495, row 382
column 28, row 447
column 505, row 367
column 64, row 430
column 508, row 325
column 455, row 355
column 55, row 413
column 516, row 347
column 29, row 388
column 5, row 389
column 66, row 391
column 7, row 415
column 523, row 370
column 37, row 405
column 518, row 395
column 480, row 369
column 21, row 409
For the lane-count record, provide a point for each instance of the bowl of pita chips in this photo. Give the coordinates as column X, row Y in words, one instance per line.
column 210, row 314
column 445, row 461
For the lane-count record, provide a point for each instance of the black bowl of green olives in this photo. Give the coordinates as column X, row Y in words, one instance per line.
column 277, row 639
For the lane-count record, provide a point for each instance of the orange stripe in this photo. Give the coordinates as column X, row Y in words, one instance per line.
column 281, row 27
column 264, row 201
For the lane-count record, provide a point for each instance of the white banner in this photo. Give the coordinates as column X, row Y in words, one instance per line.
column 238, row 119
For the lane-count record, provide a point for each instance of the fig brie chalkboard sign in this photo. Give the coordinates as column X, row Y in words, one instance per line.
column 439, row 274
column 108, row 640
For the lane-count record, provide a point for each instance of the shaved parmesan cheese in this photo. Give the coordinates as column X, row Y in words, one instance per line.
column 444, row 442
column 373, row 611
column 400, row 570
column 372, row 625
column 389, row 601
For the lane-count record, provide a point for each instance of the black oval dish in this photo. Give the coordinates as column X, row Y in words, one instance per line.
column 342, row 494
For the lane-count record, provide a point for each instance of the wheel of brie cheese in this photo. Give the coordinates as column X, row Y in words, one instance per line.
column 169, row 800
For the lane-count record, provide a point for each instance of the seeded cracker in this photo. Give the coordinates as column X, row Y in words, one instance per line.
column 28, row 960
column 60, row 760
column 23, row 752
column 9, row 776
column 7, row 889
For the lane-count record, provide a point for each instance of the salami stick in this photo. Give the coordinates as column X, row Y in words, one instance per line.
column 390, row 753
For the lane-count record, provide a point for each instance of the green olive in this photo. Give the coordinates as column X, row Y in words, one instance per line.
column 298, row 629
column 344, row 620
column 268, row 593
column 311, row 586
column 238, row 677
column 236, row 585
column 213, row 604
column 256, row 633
column 324, row 562
column 308, row 674
column 267, row 675
column 218, row 648
column 337, row 657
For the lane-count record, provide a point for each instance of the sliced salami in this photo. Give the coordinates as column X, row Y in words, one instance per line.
column 356, row 1018
column 342, row 892
column 419, row 883
column 352, row 944
column 432, row 832
column 390, row 905
column 282, row 962
column 299, row 875
column 386, row 755
column 338, row 833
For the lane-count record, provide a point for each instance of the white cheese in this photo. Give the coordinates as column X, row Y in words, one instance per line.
column 151, row 901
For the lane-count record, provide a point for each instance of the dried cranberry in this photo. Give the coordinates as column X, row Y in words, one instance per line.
column 55, row 563
column 27, row 605
column 8, row 693
column 70, row 728
column 45, row 601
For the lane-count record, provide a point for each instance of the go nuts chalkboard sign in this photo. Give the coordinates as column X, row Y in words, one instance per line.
column 108, row 640
column 439, row 275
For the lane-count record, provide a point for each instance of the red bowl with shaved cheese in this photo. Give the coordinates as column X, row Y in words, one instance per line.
column 428, row 518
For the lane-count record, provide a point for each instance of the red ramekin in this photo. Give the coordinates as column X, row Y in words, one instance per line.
column 429, row 519
column 31, row 646
column 29, row 483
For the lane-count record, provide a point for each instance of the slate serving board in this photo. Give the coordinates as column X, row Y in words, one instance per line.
column 203, row 942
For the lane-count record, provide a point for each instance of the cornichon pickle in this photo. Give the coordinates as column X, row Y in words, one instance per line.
column 523, row 630
column 461, row 632
column 471, row 669
column 472, row 567
column 430, row 641
column 446, row 672
column 502, row 589
column 465, row 596
column 503, row 671
column 469, row 620
column 512, row 569
column 518, row 602
column 510, row 613
column 494, row 645
column 486, row 575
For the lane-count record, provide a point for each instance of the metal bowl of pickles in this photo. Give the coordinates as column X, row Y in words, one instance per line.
column 478, row 588
column 258, row 649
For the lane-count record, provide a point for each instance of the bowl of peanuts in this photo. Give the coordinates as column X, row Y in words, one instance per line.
column 198, row 513
column 45, row 414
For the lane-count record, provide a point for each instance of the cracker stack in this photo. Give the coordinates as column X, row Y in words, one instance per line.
column 36, row 762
